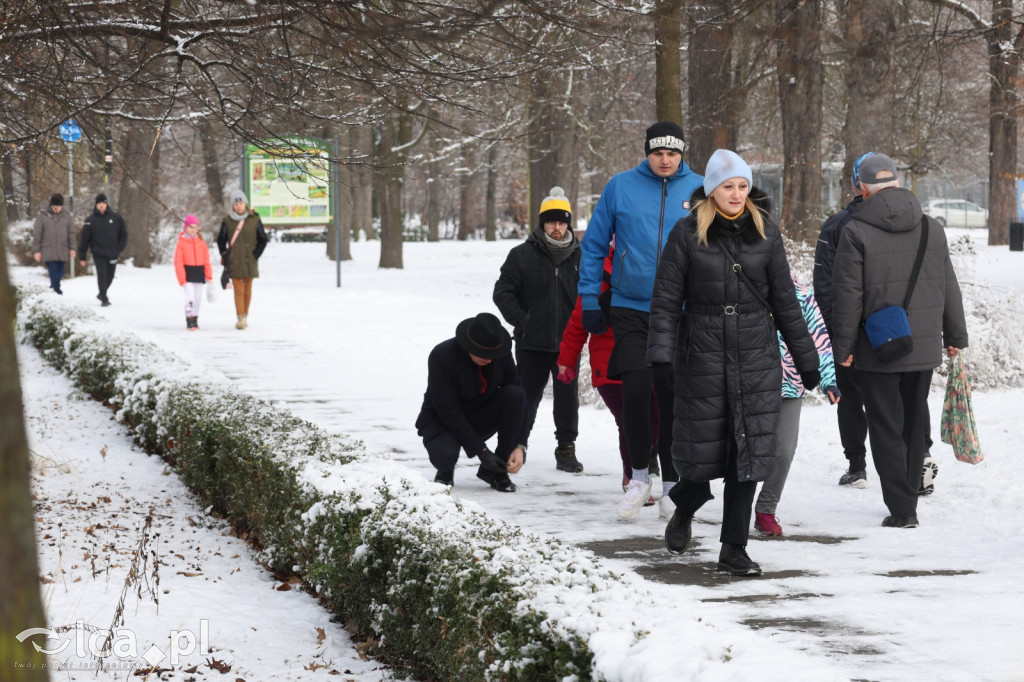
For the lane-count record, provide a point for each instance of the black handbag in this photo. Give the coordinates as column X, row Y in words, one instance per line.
column 225, row 277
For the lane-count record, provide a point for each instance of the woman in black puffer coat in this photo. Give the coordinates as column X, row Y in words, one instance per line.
column 718, row 332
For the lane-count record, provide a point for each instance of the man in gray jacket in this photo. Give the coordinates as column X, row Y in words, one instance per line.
column 53, row 240
column 872, row 270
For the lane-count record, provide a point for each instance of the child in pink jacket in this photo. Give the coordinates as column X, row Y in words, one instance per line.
column 192, row 266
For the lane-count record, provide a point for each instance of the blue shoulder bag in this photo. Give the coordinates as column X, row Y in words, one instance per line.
column 888, row 329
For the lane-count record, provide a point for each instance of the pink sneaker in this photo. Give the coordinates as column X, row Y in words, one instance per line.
column 768, row 524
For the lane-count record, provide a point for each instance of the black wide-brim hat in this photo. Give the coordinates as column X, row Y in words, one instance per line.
column 484, row 337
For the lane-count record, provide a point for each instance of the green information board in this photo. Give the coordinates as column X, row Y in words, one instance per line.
column 288, row 181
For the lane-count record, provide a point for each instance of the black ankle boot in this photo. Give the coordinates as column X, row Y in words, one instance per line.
column 733, row 559
column 678, row 532
column 565, row 458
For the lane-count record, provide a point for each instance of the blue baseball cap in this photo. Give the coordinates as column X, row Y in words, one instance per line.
column 855, row 176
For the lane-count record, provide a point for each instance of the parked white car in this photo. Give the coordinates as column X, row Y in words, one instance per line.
column 957, row 213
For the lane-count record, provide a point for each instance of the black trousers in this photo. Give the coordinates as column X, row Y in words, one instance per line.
column 636, row 422
column 853, row 422
column 737, row 501
column 628, row 362
column 105, row 268
column 535, row 369
column 897, row 409
column 501, row 414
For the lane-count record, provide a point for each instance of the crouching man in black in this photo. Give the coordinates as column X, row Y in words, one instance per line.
column 473, row 393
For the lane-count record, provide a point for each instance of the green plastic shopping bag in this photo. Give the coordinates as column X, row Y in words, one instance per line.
column 958, row 426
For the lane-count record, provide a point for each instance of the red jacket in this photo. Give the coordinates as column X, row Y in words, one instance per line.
column 192, row 260
column 600, row 345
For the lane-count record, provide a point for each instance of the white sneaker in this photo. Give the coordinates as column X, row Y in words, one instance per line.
column 636, row 495
column 931, row 470
column 666, row 507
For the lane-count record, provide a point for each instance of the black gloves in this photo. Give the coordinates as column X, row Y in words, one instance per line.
column 490, row 461
column 664, row 377
column 594, row 322
column 810, row 379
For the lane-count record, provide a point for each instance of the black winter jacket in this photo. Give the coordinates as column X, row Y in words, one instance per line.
column 536, row 296
column 873, row 266
column 104, row 233
column 727, row 364
column 825, row 258
column 453, row 388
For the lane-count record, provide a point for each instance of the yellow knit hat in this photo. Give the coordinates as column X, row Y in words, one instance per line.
column 555, row 207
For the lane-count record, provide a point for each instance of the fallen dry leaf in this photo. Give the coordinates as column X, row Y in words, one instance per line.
column 189, row 574
column 320, row 635
column 220, row 666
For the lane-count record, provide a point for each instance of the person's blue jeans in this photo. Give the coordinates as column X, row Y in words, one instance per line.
column 56, row 270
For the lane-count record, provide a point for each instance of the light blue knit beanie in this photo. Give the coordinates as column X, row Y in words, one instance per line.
column 722, row 165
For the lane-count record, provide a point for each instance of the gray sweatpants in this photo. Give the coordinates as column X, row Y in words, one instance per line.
column 789, row 430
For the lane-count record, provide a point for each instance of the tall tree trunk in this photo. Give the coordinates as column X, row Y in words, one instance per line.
column 1004, row 63
column 7, row 178
column 468, row 213
column 801, row 83
column 869, row 44
column 434, row 201
column 362, row 182
column 139, row 190
column 491, row 212
column 20, row 604
column 668, row 96
column 551, row 143
column 712, row 122
column 390, row 172
column 344, row 200
column 211, row 167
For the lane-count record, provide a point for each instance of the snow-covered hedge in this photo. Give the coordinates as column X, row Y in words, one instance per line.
column 449, row 592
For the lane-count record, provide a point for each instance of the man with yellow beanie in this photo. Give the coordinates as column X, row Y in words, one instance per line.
column 536, row 293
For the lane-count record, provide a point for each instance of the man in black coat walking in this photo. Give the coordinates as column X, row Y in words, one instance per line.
column 853, row 423
column 105, row 233
column 536, row 293
column 473, row 393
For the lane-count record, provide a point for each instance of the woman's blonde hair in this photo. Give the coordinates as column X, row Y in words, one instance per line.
column 705, row 211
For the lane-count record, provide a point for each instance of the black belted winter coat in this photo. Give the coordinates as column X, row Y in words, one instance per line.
column 723, row 345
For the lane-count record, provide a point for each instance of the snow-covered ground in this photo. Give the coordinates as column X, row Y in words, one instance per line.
column 939, row 602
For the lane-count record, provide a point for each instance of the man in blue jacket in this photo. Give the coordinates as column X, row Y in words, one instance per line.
column 638, row 208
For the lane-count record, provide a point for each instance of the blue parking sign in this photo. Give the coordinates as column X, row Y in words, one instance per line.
column 70, row 131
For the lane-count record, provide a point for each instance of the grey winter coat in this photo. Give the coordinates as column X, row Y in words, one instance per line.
column 53, row 235
column 873, row 265
column 728, row 372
